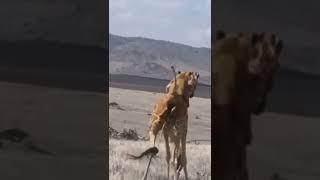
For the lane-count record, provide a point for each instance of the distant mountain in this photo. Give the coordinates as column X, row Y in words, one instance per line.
column 152, row 58
column 79, row 67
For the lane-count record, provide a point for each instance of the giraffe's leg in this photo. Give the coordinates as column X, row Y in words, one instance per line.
column 184, row 155
column 152, row 136
column 174, row 154
column 176, row 148
column 178, row 167
column 177, row 157
column 168, row 157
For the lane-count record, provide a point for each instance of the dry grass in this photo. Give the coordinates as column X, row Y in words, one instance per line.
column 198, row 156
column 137, row 106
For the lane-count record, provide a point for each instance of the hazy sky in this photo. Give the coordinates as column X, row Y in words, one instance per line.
column 182, row 21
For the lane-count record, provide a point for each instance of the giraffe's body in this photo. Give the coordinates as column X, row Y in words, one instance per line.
column 176, row 126
column 175, row 97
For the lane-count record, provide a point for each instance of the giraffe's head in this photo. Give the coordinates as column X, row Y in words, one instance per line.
column 266, row 62
column 259, row 53
column 193, row 83
column 266, row 67
column 190, row 79
column 233, row 54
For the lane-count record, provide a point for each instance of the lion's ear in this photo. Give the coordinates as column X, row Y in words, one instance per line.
column 179, row 72
column 279, row 47
column 220, row 35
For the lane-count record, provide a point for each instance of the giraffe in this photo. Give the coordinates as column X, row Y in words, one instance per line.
column 177, row 95
column 176, row 127
column 174, row 97
column 244, row 65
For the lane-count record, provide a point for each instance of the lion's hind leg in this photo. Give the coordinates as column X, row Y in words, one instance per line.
column 159, row 116
column 156, row 126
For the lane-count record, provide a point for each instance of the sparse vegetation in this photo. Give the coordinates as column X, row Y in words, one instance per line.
column 120, row 143
column 199, row 158
column 116, row 105
column 14, row 137
column 123, row 142
column 113, row 104
column 127, row 134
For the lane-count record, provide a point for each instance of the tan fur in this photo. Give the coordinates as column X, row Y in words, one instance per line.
column 171, row 108
column 243, row 72
column 160, row 113
column 184, row 79
column 174, row 97
column 267, row 65
column 177, row 125
column 232, row 57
